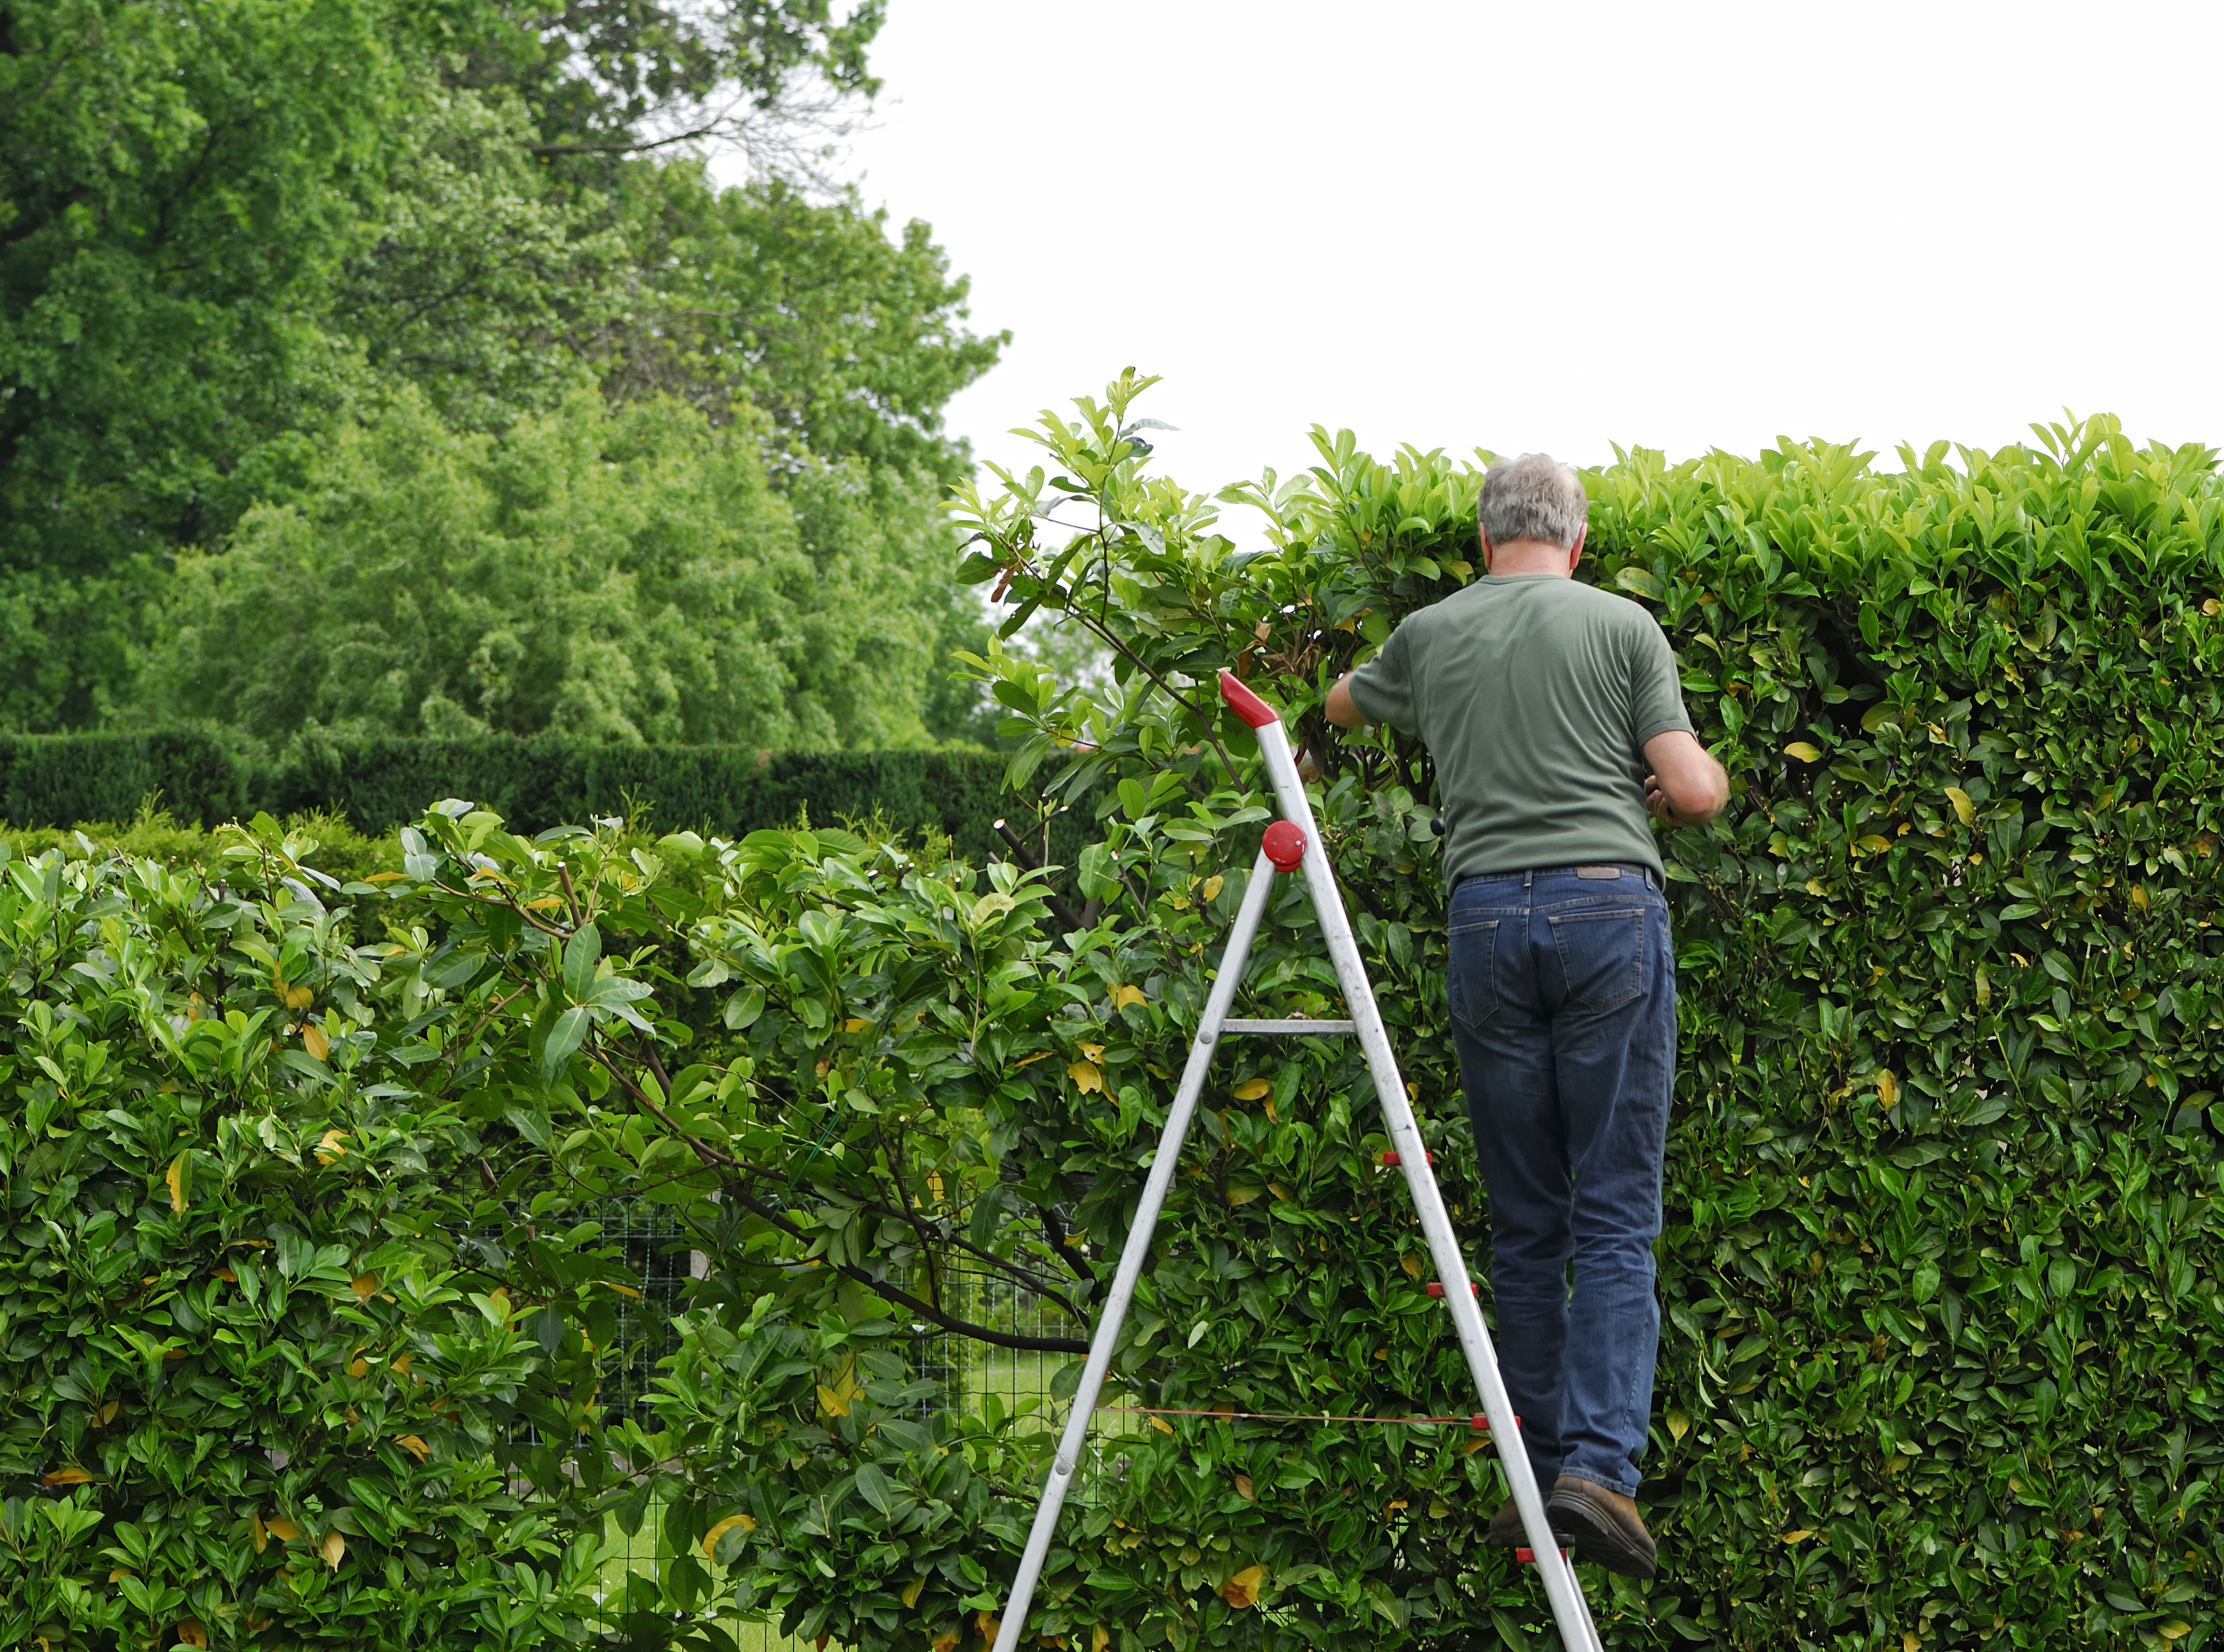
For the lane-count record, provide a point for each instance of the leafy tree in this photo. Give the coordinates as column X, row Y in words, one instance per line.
column 625, row 575
column 852, row 342
column 176, row 183
column 228, row 230
column 613, row 77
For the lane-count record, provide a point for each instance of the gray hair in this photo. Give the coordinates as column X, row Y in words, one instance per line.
column 1533, row 497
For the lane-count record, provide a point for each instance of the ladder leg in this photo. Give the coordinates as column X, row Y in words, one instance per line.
column 1569, row 1610
column 1135, row 1253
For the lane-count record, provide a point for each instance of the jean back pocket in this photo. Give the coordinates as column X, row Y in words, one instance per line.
column 1471, row 970
column 1601, row 955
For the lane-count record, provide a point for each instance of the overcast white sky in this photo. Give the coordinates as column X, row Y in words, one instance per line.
column 1562, row 226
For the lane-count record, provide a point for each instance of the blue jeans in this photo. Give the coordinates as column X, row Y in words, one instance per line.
column 1563, row 1011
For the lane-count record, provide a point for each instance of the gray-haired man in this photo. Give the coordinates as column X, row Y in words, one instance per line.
column 1553, row 713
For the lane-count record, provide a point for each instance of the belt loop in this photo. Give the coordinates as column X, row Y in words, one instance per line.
column 1527, row 879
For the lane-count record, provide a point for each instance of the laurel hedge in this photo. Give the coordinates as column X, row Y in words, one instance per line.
column 1943, row 1325
column 1943, row 1343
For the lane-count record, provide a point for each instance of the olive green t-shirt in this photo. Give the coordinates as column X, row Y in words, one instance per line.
column 1535, row 695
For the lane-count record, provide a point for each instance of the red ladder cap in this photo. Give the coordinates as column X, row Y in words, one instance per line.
column 1390, row 1161
column 1285, row 844
column 1436, row 1288
column 1247, row 705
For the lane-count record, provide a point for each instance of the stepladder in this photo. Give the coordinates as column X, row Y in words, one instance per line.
column 1291, row 844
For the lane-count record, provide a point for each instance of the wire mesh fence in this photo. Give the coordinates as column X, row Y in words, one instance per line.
column 966, row 1372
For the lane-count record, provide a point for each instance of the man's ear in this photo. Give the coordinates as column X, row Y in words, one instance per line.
column 1576, row 550
column 1485, row 539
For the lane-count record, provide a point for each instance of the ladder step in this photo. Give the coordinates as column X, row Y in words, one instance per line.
column 1298, row 1024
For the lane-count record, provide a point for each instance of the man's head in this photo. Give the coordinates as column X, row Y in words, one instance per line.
column 1529, row 507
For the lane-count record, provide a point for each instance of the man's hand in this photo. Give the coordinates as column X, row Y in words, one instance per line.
column 1338, row 708
column 1687, row 787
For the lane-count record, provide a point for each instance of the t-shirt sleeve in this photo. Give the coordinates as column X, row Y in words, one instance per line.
column 1382, row 689
column 1656, row 700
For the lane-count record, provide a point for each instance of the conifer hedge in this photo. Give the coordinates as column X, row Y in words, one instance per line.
column 536, row 782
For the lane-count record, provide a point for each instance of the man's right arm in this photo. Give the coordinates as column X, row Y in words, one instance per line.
column 1339, row 708
column 1686, row 786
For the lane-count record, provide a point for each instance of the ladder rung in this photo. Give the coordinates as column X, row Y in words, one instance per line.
column 1301, row 1025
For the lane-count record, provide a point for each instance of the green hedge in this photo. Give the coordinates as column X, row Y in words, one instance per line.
column 379, row 785
column 1942, row 1352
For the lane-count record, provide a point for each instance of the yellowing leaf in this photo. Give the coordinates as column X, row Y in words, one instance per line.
column 1799, row 1536
column 1243, row 1488
column 190, row 1632
column 1213, row 886
column 402, row 1363
column 1874, row 844
column 385, row 877
column 987, row 1626
column 1243, row 1589
column 1803, row 752
column 623, row 1290
column 748, row 1524
column 1085, row 1077
column 282, row 1529
column 334, row 1549
column 358, row 1366
column 330, row 1149
column 857, row 1024
column 1679, row 1425
column 2176, row 1630
column 313, row 1041
column 1910, row 1640
column 1239, row 1193
column 1099, row 1638
column 1964, row 811
column 106, row 1414
column 1412, row 1265
column 414, row 1446
column 1122, row 998
column 2139, row 896
column 1279, row 1191
column 67, row 1476
column 116, row 1576
column 297, row 998
column 914, row 1589
column 363, row 1285
column 1251, row 1089
column 1887, row 1087
column 1162, row 1425
column 175, row 1175
column 833, row 1404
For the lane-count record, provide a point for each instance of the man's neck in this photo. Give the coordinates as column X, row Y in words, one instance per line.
column 1517, row 557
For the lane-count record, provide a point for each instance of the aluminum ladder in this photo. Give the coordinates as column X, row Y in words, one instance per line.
column 1291, row 843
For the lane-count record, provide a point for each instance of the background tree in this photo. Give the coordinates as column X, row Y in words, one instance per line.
column 232, row 231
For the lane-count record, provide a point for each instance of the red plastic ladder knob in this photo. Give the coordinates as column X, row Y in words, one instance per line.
column 1285, row 844
column 1481, row 1424
column 1528, row 1556
column 1390, row 1160
column 1436, row 1288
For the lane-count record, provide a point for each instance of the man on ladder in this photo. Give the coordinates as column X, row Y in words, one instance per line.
column 1553, row 713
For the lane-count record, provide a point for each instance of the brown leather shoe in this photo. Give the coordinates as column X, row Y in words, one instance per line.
column 1602, row 1526
column 1505, row 1531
